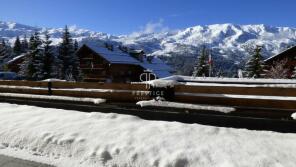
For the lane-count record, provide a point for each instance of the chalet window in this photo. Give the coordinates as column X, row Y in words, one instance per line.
column 97, row 60
column 88, row 63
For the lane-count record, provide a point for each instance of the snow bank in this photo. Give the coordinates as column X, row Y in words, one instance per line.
column 185, row 106
column 215, row 81
column 162, row 83
column 239, row 96
column 65, row 89
column 22, row 87
column 238, row 80
column 294, row 115
column 54, row 80
column 241, row 85
column 280, row 85
column 70, row 138
column 63, row 98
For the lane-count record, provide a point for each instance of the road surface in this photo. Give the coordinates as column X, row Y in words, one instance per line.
column 6, row 161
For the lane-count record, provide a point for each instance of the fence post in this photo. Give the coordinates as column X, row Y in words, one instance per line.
column 49, row 88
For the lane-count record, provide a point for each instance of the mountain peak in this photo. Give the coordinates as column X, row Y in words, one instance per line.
column 228, row 38
column 228, row 42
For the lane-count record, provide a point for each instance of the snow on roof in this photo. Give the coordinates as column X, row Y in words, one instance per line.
column 136, row 51
column 157, row 66
column 116, row 56
column 16, row 58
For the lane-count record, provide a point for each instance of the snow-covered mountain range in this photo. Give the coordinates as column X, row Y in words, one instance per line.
column 229, row 42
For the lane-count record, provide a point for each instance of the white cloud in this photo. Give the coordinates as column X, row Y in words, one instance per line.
column 72, row 27
column 152, row 27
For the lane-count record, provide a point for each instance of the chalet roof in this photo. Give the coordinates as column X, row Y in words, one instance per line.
column 136, row 51
column 286, row 53
column 16, row 58
column 116, row 56
column 158, row 67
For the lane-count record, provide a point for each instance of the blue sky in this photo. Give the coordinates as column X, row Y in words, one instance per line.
column 127, row 16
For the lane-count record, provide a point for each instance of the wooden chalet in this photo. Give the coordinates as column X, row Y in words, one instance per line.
column 105, row 63
column 14, row 64
column 289, row 55
column 116, row 64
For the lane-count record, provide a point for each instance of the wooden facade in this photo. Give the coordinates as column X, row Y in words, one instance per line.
column 96, row 68
column 289, row 55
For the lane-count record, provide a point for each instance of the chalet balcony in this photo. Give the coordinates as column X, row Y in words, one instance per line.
column 92, row 75
column 94, row 79
column 92, row 67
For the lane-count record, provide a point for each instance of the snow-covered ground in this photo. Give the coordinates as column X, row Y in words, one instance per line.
column 185, row 106
column 72, row 138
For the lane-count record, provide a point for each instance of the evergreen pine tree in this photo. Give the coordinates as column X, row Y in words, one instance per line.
column 56, row 67
column 5, row 54
column 24, row 44
column 3, row 43
column 38, row 62
column 69, row 60
column 26, row 68
column 32, row 67
column 3, row 51
column 17, row 48
column 6, row 50
column 201, row 67
column 48, row 57
column 31, row 41
column 254, row 67
column 75, row 45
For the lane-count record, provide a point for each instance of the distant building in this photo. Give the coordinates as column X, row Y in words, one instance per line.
column 14, row 64
column 289, row 55
column 118, row 64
